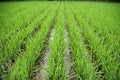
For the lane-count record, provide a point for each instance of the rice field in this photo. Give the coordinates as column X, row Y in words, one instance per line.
column 44, row 40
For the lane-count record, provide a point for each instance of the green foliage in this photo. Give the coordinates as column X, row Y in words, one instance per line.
column 100, row 35
column 56, row 67
column 93, row 31
column 66, row 0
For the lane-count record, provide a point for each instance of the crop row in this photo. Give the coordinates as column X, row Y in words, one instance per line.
column 105, row 60
column 18, row 43
column 59, row 41
column 25, row 62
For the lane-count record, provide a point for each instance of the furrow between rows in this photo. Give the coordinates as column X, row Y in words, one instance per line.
column 70, row 73
column 42, row 62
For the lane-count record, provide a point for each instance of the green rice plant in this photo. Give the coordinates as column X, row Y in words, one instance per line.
column 20, row 37
column 106, row 26
column 56, row 67
column 11, row 25
column 83, row 66
column 11, row 8
column 109, row 34
column 23, row 66
column 107, row 63
column 17, row 44
column 93, row 31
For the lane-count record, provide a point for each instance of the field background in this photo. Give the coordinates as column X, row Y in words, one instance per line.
column 60, row 40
